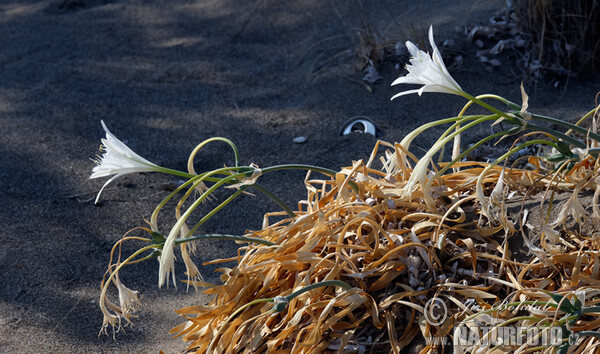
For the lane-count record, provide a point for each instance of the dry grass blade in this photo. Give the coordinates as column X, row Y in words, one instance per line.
column 397, row 253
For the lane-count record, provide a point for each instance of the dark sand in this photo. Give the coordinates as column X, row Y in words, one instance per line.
column 165, row 75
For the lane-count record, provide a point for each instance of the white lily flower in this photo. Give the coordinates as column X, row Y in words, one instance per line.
column 427, row 70
column 118, row 160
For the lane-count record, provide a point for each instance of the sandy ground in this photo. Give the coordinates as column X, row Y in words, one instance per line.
column 165, row 75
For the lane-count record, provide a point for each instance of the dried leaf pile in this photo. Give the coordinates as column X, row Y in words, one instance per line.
column 397, row 253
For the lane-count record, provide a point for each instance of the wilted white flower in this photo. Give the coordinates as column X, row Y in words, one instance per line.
column 573, row 207
column 427, row 70
column 166, row 262
column 551, row 235
column 127, row 298
column 118, row 160
column 498, row 191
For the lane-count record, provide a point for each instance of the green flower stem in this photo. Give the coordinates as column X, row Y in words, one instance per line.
column 279, row 202
column 218, row 138
column 215, row 210
column 511, row 119
column 245, row 171
column 462, row 121
column 226, row 237
column 458, row 123
column 176, row 172
column 451, row 136
column 513, row 150
column 510, row 104
column 591, row 309
column 238, row 311
column 455, row 127
column 586, row 116
column 193, row 179
column 150, row 256
column 441, row 143
column 410, row 136
column 565, row 124
column 322, row 170
column 310, row 287
column 473, row 147
column 588, row 334
column 566, row 138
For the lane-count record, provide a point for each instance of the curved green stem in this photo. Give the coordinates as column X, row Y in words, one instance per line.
column 440, row 143
column 407, row 140
column 471, row 148
column 217, row 138
column 225, row 237
column 215, row 210
column 491, row 108
column 456, row 124
column 193, row 179
column 588, row 333
column 566, row 138
column 279, row 202
column 322, row 170
column 246, row 171
column 586, row 116
column 510, row 104
column 515, row 149
column 571, row 126
column 341, row 284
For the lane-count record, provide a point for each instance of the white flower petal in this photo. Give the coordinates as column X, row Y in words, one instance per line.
column 408, row 92
column 167, row 263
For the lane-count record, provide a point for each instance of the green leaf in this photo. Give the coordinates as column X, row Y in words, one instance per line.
column 157, row 238
column 565, row 306
column 557, row 157
column 564, row 148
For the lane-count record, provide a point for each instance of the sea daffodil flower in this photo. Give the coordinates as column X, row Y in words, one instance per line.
column 427, row 70
column 118, row 160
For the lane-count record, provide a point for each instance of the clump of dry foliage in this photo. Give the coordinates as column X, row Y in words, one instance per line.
column 397, row 253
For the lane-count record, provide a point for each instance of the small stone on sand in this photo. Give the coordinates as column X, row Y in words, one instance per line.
column 300, row 139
